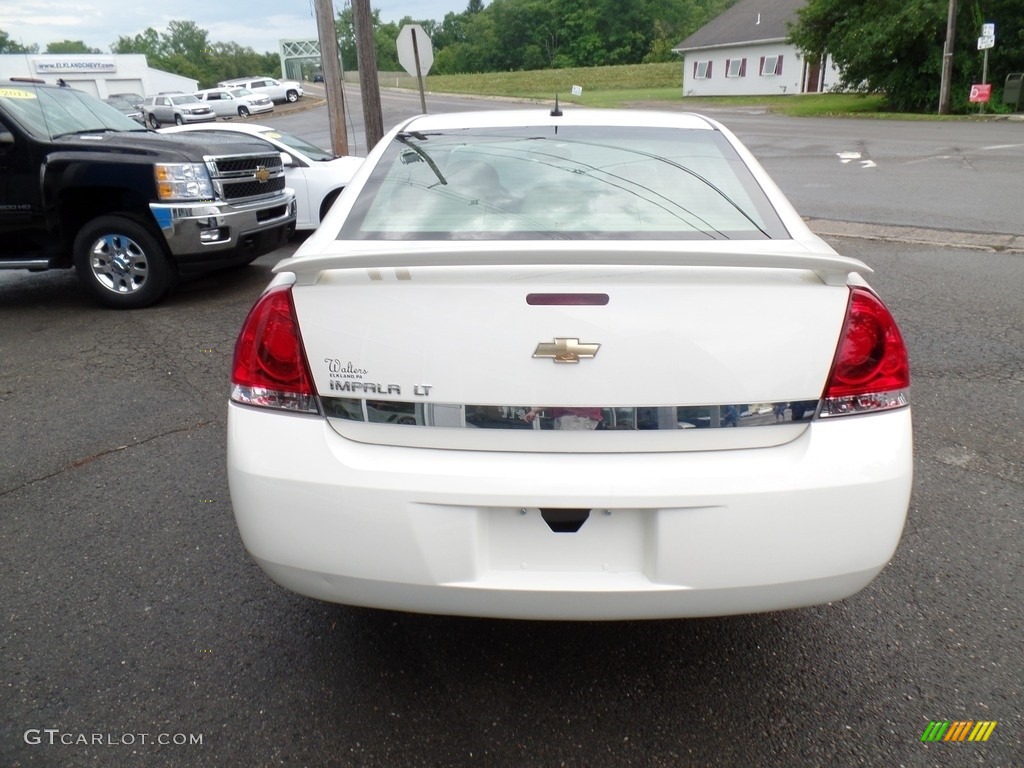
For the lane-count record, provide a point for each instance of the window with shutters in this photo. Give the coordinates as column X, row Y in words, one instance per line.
column 771, row 66
column 736, row 68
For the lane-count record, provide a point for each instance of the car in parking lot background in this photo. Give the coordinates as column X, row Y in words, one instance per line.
column 315, row 174
column 277, row 90
column 127, row 108
column 235, row 102
column 135, row 99
column 177, row 108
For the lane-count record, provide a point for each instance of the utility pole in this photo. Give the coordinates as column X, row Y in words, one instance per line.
column 947, row 60
column 333, row 81
column 369, row 85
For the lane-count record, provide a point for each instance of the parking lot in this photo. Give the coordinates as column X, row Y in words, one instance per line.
column 137, row 632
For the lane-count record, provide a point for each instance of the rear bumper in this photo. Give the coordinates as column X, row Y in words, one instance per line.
column 668, row 535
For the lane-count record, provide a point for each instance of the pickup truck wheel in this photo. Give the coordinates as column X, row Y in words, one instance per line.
column 243, row 111
column 121, row 263
column 178, row 120
column 292, row 96
column 153, row 122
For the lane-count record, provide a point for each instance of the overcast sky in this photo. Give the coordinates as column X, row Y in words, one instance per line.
column 256, row 23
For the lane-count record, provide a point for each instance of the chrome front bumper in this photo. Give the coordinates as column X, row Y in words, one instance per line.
column 213, row 227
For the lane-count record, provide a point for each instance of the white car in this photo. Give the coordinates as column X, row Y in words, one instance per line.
column 235, row 102
column 315, row 174
column 278, row 90
column 541, row 366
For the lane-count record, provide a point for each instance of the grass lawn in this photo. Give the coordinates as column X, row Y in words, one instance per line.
column 647, row 84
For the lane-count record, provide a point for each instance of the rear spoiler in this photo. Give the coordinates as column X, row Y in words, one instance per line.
column 832, row 268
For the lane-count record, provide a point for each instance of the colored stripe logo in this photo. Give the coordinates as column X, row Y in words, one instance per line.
column 958, row 730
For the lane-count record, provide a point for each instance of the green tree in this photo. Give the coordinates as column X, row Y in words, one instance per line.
column 185, row 50
column 896, row 47
column 185, row 38
column 535, row 34
column 70, row 46
column 677, row 20
column 148, row 43
column 7, row 45
column 230, row 60
column 600, row 32
column 385, row 39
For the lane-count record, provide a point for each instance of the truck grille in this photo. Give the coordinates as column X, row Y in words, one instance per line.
column 245, row 163
column 247, row 177
column 241, row 189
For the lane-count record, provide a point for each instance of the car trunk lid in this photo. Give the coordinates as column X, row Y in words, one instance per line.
column 662, row 339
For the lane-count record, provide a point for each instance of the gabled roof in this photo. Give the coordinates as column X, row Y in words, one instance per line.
column 748, row 21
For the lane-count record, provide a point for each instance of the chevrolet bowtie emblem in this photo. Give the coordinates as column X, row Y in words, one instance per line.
column 262, row 174
column 565, row 350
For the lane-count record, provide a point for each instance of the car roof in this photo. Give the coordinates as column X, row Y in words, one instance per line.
column 252, row 128
column 569, row 116
column 31, row 82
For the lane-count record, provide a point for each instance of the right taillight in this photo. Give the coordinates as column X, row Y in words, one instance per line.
column 269, row 368
column 870, row 371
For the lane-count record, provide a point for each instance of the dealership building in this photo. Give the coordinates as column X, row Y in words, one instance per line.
column 98, row 74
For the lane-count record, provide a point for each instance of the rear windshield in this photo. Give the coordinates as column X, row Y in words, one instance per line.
column 569, row 183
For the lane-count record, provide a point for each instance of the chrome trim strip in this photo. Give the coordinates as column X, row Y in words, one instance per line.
column 638, row 418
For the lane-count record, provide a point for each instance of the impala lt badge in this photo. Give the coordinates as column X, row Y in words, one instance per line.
column 565, row 350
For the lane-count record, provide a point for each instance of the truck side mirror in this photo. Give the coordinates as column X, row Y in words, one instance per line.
column 287, row 160
column 6, row 137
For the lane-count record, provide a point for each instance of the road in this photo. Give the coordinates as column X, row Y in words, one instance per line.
column 959, row 176
column 131, row 612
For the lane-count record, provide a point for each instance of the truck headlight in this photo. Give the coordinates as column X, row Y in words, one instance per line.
column 183, row 181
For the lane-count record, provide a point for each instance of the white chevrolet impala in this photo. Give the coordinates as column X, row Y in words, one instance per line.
column 582, row 365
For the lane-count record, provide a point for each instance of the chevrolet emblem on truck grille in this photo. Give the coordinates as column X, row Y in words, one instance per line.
column 565, row 350
column 262, row 174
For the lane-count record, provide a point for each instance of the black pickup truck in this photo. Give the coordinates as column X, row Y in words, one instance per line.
column 132, row 210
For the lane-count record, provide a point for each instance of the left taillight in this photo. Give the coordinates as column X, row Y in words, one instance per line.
column 269, row 369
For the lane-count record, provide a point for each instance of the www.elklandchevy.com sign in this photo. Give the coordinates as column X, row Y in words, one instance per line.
column 53, row 66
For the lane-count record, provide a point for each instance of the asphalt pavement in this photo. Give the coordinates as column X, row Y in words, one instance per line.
column 136, row 631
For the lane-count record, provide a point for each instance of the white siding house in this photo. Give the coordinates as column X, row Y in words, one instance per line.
column 743, row 52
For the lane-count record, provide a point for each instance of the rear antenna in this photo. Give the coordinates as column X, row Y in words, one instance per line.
column 556, row 112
